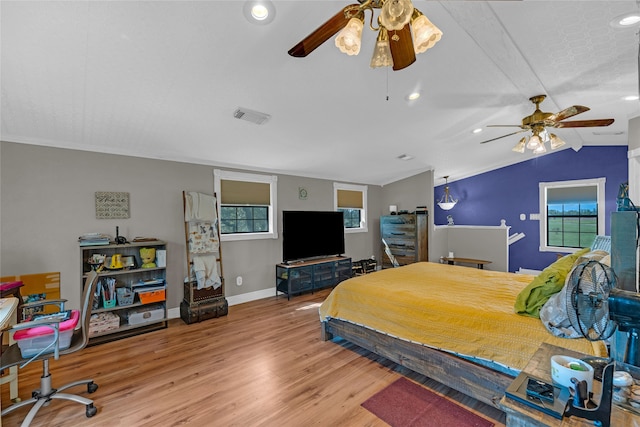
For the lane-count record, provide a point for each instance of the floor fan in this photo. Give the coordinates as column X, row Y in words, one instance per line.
column 595, row 309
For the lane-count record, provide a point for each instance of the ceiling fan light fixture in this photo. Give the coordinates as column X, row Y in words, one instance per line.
column 382, row 52
column 395, row 14
column 556, row 141
column 349, row 39
column 544, row 136
column 520, row 146
column 534, row 142
column 425, row 34
column 540, row 149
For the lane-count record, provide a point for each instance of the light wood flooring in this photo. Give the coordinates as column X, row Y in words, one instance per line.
column 262, row 365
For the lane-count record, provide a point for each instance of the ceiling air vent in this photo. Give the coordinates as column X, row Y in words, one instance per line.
column 251, row 116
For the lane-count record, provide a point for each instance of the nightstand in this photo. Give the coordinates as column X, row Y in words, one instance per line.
column 519, row 415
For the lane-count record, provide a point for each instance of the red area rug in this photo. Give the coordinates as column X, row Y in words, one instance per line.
column 407, row 404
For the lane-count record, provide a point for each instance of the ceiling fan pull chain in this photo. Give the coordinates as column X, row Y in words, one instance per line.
column 387, row 70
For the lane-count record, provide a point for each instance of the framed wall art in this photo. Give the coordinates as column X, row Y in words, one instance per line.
column 112, row 205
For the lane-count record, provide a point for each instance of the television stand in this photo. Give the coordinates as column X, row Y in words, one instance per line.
column 308, row 276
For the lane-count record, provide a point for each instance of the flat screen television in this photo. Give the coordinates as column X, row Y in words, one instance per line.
column 311, row 234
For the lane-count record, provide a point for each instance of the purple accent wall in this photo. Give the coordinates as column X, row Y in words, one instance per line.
column 507, row 192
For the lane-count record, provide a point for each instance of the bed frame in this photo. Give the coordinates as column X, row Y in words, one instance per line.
column 479, row 382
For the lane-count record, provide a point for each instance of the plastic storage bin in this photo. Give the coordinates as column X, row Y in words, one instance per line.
column 147, row 297
column 33, row 340
column 125, row 296
column 150, row 313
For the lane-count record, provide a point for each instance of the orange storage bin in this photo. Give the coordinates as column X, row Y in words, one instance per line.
column 147, row 297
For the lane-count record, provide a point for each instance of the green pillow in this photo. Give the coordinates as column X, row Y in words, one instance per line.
column 531, row 299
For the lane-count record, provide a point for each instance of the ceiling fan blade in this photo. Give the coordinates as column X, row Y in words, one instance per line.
column 568, row 112
column 584, row 123
column 401, row 46
column 503, row 136
column 507, row 126
column 321, row 34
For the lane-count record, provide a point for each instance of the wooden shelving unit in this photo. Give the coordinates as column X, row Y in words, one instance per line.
column 134, row 318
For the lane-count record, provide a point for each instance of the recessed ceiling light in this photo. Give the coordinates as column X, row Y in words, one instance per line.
column 478, row 130
column 413, row 96
column 405, row 157
column 631, row 98
column 259, row 12
column 625, row 21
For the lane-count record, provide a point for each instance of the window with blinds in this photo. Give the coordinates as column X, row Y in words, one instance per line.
column 351, row 201
column 247, row 205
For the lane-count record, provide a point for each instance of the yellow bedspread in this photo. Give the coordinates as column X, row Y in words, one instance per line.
column 457, row 309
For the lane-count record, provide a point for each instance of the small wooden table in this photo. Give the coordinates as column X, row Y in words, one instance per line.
column 519, row 415
column 479, row 262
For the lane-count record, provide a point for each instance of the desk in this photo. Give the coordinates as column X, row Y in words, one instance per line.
column 8, row 308
column 479, row 262
column 519, row 415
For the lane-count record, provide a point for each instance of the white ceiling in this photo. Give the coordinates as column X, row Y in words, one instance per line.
column 161, row 79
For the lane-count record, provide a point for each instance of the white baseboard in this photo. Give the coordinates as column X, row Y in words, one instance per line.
column 251, row 296
column 174, row 313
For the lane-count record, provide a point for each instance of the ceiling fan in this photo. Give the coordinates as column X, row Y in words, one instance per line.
column 396, row 22
column 539, row 121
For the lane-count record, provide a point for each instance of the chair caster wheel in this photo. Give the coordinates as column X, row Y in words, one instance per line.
column 91, row 410
column 92, row 387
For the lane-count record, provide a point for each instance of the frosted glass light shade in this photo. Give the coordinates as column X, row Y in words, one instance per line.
column 540, row 149
column 395, row 14
column 446, row 206
column 425, row 34
column 556, row 141
column 350, row 38
column 520, row 146
column 534, row 142
column 382, row 52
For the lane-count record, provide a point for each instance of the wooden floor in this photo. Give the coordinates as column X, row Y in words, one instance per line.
column 262, row 365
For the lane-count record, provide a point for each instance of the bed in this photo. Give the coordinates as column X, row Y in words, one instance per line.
column 454, row 324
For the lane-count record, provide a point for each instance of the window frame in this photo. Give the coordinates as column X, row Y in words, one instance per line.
column 364, row 227
column 599, row 183
column 272, row 180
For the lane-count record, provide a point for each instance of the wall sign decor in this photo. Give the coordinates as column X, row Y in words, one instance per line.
column 112, row 205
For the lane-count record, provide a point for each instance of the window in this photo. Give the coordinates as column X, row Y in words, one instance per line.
column 351, row 200
column 571, row 214
column 247, row 205
column 244, row 219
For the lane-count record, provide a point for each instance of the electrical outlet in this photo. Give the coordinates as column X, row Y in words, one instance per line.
column 239, row 280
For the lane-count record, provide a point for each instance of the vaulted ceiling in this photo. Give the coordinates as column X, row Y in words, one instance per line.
column 162, row 79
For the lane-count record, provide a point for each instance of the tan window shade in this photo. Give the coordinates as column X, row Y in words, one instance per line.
column 350, row 199
column 583, row 194
column 244, row 193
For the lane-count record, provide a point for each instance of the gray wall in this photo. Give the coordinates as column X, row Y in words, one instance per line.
column 47, row 202
column 407, row 194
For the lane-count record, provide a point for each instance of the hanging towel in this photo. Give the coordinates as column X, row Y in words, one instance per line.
column 206, row 272
column 203, row 238
column 199, row 207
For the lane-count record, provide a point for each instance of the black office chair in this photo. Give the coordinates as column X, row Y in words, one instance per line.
column 11, row 356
